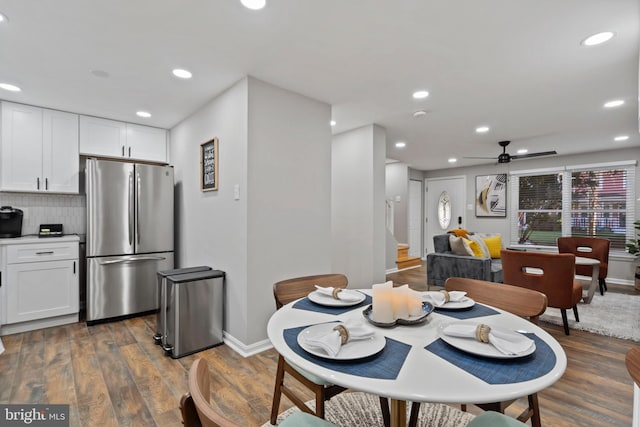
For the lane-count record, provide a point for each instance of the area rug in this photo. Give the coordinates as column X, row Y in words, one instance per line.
column 363, row 410
column 614, row 315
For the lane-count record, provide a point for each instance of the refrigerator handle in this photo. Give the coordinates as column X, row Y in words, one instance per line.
column 138, row 187
column 133, row 259
column 130, row 208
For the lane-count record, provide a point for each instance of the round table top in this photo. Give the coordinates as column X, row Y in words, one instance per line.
column 424, row 376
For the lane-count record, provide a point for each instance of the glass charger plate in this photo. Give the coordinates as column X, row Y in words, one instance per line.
column 322, row 299
column 351, row 350
column 427, row 309
column 478, row 348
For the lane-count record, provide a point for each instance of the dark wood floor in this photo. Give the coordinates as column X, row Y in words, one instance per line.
column 113, row 375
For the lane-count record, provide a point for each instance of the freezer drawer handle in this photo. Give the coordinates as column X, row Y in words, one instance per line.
column 142, row 258
column 44, row 253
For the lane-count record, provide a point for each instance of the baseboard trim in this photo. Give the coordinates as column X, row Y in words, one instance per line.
column 243, row 349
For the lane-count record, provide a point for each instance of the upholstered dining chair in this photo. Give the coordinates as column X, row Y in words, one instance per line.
column 551, row 274
column 285, row 292
column 522, row 302
column 588, row 247
column 197, row 411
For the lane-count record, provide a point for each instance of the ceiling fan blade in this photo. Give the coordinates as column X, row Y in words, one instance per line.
column 542, row 153
column 490, row 158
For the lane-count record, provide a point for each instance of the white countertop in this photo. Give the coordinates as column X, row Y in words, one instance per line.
column 36, row 239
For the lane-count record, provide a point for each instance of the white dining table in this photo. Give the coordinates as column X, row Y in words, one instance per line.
column 595, row 272
column 425, row 375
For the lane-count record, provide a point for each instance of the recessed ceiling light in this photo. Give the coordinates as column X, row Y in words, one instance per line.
column 452, row 160
column 183, row 74
column 401, row 144
column 10, row 87
column 420, row 113
column 144, row 114
column 621, row 138
column 523, row 151
column 3, row 18
column 616, row 103
column 420, row 94
column 332, row 122
column 253, row 4
column 100, row 73
column 598, row 38
column 482, row 129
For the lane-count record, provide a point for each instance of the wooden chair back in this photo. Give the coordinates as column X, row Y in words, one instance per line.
column 519, row 301
column 551, row 274
column 199, row 390
column 632, row 360
column 587, row 247
column 289, row 290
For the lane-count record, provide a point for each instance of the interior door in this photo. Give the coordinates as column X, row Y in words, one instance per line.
column 456, row 188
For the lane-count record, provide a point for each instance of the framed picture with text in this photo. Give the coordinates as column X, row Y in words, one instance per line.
column 491, row 195
column 209, row 165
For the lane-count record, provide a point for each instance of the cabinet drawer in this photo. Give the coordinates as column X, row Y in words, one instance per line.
column 41, row 252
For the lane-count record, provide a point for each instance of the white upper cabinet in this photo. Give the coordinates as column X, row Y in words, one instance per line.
column 39, row 150
column 109, row 138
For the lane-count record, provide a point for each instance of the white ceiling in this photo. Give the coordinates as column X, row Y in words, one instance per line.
column 516, row 66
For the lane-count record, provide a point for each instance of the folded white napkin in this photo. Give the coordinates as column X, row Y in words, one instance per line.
column 331, row 342
column 439, row 298
column 343, row 295
column 506, row 342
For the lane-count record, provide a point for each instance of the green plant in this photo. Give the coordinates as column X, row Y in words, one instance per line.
column 633, row 247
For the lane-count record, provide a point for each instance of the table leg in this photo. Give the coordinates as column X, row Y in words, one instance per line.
column 398, row 413
column 595, row 272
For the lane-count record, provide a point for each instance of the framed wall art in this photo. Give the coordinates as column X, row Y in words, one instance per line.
column 491, row 195
column 209, row 165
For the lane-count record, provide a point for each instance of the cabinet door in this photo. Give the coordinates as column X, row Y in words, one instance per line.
column 146, row 143
column 37, row 290
column 102, row 137
column 60, row 168
column 21, row 156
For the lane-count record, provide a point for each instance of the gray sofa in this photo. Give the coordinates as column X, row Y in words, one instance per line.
column 443, row 264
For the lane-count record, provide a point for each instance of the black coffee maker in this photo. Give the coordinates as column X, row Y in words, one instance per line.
column 10, row 222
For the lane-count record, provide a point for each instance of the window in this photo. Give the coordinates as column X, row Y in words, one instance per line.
column 575, row 201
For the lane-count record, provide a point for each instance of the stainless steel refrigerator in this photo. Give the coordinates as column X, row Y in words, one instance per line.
column 129, row 235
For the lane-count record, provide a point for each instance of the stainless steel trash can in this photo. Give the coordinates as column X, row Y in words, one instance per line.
column 161, row 317
column 194, row 312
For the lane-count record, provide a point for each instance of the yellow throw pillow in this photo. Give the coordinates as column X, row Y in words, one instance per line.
column 475, row 248
column 494, row 244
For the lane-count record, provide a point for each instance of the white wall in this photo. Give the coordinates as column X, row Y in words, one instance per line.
column 358, row 210
column 211, row 226
column 289, row 194
column 275, row 146
column 620, row 265
column 397, row 190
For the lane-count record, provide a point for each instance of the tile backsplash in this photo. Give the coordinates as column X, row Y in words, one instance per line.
column 66, row 209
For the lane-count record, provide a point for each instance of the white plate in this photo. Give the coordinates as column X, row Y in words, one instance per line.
column 350, row 351
column 472, row 346
column 465, row 302
column 322, row 299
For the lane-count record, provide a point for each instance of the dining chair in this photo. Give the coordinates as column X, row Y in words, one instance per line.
column 632, row 361
column 551, row 274
column 494, row 419
column 588, row 247
column 197, row 411
column 285, row 292
column 522, row 302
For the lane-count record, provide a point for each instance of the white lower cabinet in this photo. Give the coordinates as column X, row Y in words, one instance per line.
column 40, row 283
column 42, row 289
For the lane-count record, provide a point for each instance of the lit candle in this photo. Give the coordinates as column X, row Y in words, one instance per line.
column 400, row 306
column 382, row 303
column 415, row 303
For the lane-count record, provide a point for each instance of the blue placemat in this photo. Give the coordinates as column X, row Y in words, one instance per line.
column 499, row 371
column 307, row 304
column 385, row 365
column 477, row 310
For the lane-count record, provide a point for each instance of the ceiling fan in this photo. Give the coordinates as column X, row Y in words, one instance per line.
column 505, row 157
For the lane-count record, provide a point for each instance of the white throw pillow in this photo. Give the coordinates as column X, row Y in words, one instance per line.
column 459, row 246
